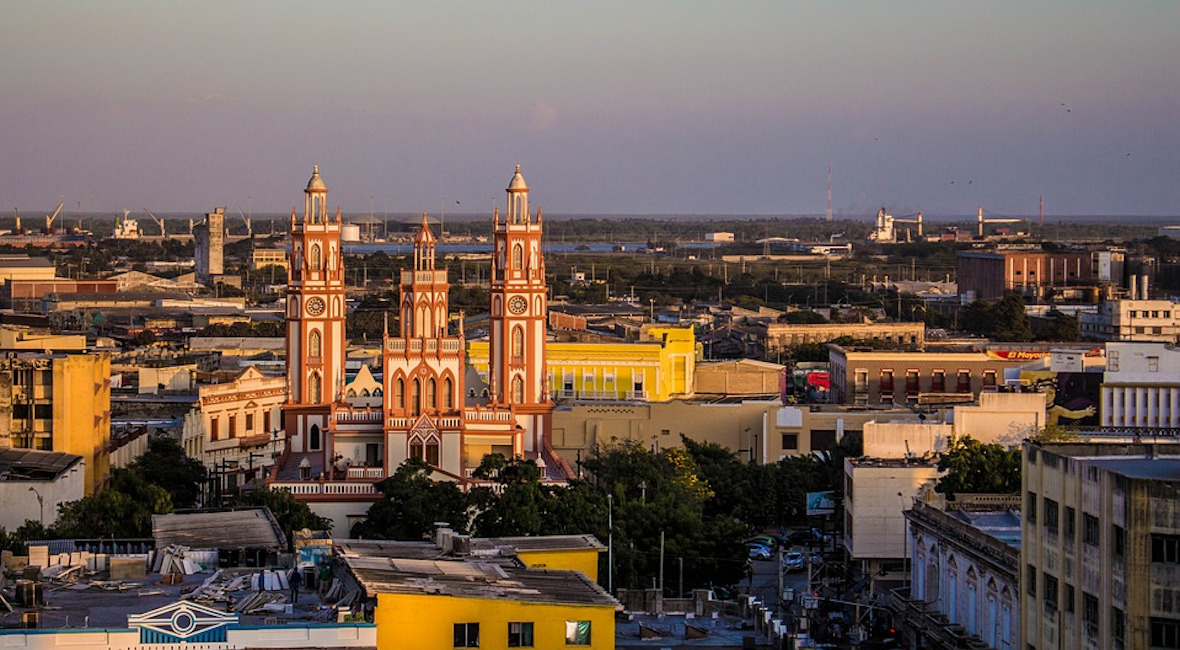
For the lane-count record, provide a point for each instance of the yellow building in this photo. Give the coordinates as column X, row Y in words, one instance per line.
column 566, row 552
column 658, row 367
column 59, row 402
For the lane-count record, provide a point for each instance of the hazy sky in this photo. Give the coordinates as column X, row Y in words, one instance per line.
column 636, row 106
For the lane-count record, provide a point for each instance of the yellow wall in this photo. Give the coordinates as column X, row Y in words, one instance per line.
column 82, row 412
column 666, row 363
column 584, row 560
column 427, row 622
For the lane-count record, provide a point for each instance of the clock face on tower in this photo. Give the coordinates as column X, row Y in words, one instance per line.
column 315, row 306
column 518, row 305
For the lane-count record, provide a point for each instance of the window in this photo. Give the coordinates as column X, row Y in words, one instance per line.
column 520, row 635
column 315, row 390
column 1165, row 549
column 466, row 635
column 1051, row 515
column 415, row 397
column 249, row 422
column 938, row 381
column 989, row 378
column 517, row 390
column 1090, row 529
column 886, row 384
column 1119, row 534
column 517, row 345
column 1165, row 633
column 1118, row 628
column 1153, row 364
column 314, row 344
column 214, row 429
column 963, row 382
column 432, row 452
column 43, row 411
column 1068, row 598
column 431, row 393
column 1050, row 593
column 862, row 380
column 517, row 257
column 577, row 632
column 1112, row 361
column 417, row 450
column 1030, row 579
column 448, row 394
column 1090, row 615
column 1031, row 507
column 399, row 393
column 790, row 441
column 233, row 426
column 1071, row 517
column 911, row 382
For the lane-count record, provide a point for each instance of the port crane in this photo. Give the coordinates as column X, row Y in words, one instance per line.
column 245, row 220
column 49, row 219
column 159, row 221
column 986, row 220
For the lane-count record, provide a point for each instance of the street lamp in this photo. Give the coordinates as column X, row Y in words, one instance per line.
column 40, row 503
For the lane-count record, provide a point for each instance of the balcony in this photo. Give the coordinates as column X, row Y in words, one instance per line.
column 358, row 416
column 326, row 488
column 366, row 473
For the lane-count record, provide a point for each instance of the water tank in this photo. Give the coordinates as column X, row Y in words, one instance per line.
column 350, row 232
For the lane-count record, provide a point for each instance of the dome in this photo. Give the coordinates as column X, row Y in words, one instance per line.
column 424, row 234
column 517, row 181
column 316, row 184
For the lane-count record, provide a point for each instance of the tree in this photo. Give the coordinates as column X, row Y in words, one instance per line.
column 123, row 509
column 1011, row 319
column 291, row 514
column 144, row 338
column 166, row 465
column 973, row 467
column 411, row 503
column 1062, row 327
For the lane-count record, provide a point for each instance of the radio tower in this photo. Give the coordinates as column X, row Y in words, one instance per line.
column 829, row 215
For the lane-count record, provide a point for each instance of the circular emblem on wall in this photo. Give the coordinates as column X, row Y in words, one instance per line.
column 518, row 305
column 315, row 306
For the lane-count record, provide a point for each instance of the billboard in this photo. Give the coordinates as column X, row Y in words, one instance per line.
column 821, row 503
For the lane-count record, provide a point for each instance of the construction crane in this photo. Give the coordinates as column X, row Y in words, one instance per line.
column 246, row 220
column 163, row 234
column 49, row 219
column 910, row 219
column 982, row 220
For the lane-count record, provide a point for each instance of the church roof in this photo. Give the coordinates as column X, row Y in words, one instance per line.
column 517, row 182
column 316, row 184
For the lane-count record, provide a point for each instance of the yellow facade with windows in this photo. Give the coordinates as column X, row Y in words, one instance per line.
column 59, row 402
column 428, row 622
column 660, row 367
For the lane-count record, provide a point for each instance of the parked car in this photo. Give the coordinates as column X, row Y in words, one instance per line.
column 793, row 561
column 809, row 537
column 760, row 553
column 769, row 541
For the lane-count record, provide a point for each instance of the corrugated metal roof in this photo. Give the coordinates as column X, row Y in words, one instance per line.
column 248, row 528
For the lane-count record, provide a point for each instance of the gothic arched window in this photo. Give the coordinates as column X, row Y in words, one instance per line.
column 517, row 256
column 416, row 397
column 399, row 393
column 431, row 393
column 432, row 455
column 517, row 390
column 448, row 393
column 314, row 344
column 315, row 388
column 313, row 260
column 517, row 344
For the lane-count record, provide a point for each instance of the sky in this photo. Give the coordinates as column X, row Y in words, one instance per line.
column 679, row 107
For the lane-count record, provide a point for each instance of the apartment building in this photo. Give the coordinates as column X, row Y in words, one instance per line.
column 1141, row 387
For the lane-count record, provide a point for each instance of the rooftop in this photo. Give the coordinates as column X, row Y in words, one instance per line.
column 1163, row 468
column 34, row 465
column 248, row 528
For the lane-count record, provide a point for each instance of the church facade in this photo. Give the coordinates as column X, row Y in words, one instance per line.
column 424, row 401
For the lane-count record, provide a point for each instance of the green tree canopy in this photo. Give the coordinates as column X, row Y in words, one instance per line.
column 123, row 509
column 973, row 467
column 166, row 465
column 411, row 503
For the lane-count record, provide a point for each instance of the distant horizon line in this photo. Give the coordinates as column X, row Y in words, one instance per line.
column 415, row 216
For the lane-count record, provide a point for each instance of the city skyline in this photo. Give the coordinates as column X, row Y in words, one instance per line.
column 615, row 108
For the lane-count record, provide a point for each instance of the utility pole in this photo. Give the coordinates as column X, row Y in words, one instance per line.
column 610, row 543
column 661, row 572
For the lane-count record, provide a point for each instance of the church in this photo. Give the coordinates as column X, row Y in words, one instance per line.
column 425, row 401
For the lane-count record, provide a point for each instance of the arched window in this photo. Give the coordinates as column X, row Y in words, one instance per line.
column 448, row 394
column 517, row 390
column 377, row 392
column 517, row 345
column 431, row 393
column 315, row 388
column 351, row 392
column 314, row 344
column 399, row 393
column 417, row 450
column 517, row 256
column 432, row 451
column 313, row 438
column 365, row 392
column 314, row 260
column 416, row 397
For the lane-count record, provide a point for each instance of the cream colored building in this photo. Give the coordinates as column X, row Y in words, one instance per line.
column 237, row 423
column 739, row 377
column 1100, row 545
column 23, row 338
column 876, row 491
column 263, row 257
column 1133, row 320
column 780, row 336
column 1141, row 387
column 23, row 267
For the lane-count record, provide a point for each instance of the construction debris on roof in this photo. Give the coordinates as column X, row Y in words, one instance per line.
column 248, row 528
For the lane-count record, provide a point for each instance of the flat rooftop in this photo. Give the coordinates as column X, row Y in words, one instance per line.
column 1163, row 468
column 1003, row 525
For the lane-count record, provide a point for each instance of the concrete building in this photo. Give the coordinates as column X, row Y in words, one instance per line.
column 990, row 275
column 1101, row 545
column 780, row 336
column 29, row 294
column 33, row 484
column 1141, row 386
column 964, row 581
column 261, row 258
column 1133, row 320
column 23, row 267
column 876, row 491
column 209, row 239
column 59, row 402
column 719, row 237
column 862, row 376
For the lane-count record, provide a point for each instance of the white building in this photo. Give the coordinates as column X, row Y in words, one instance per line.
column 1142, row 386
column 33, row 484
column 1132, row 320
column 719, row 237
